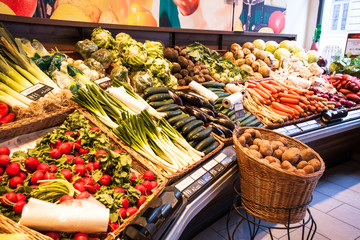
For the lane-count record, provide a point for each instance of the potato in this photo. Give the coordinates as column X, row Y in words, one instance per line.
column 301, row 171
column 249, row 45
column 235, row 47
column 255, row 153
column 246, row 51
column 262, row 63
column 257, row 75
column 247, row 137
column 239, row 62
column 255, row 66
column 292, row 155
column 242, row 140
column 273, row 159
column 302, row 164
column 275, row 164
column 265, row 160
column 284, row 141
column 257, row 141
column 286, row 165
column 229, row 56
column 308, row 169
column 278, row 143
column 265, row 148
column 260, row 54
column 254, row 147
column 316, row 164
column 274, row 145
column 251, row 131
column 239, row 54
column 292, row 169
column 307, row 154
column 283, row 148
column 265, row 71
column 249, row 61
column 257, row 134
column 278, row 154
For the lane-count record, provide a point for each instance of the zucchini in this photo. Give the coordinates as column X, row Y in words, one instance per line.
column 154, row 90
column 171, row 114
column 260, row 125
column 203, row 144
column 203, row 134
column 247, row 115
column 254, row 123
column 158, row 97
column 177, row 118
column 194, row 143
column 219, row 100
column 232, row 112
column 193, row 132
column 211, row 148
column 166, row 108
column 223, row 95
column 232, row 118
column 225, row 111
column 183, row 122
column 191, row 126
column 213, row 85
column 217, row 89
column 217, row 105
column 161, row 103
column 247, row 121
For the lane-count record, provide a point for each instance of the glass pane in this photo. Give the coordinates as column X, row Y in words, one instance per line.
column 335, row 17
column 344, row 16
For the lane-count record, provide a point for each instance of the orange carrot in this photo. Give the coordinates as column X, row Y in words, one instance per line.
column 293, row 92
column 298, row 91
column 304, row 100
column 312, row 108
column 282, row 107
column 268, row 87
column 261, row 93
column 258, row 85
column 294, row 106
column 312, row 103
column 289, row 100
column 251, row 85
column 310, row 93
column 279, row 112
column 286, row 95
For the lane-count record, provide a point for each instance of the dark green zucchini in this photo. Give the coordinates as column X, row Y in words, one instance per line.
column 203, row 134
column 247, row 121
column 161, row 103
column 193, row 132
column 177, row 118
column 211, row 148
column 171, row 114
column 194, row 143
column 190, row 126
column 223, row 95
column 154, row 90
column 253, row 123
column 247, row 115
column 213, row 85
column 203, row 144
column 159, row 97
column 180, row 124
column 166, row 108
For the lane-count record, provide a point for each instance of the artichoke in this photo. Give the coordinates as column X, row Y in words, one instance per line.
column 102, row 38
column 154, row 49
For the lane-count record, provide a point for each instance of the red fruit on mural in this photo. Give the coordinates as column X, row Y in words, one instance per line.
column 24, row 8
column 277, row 21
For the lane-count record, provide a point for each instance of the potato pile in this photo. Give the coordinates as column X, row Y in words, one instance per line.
column 279, row 154
column 255, row 61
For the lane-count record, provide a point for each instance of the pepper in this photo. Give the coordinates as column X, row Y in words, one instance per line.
column 8, row 118
column 4, row 110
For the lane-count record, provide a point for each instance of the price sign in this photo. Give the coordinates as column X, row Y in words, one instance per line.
column 103, row 82
column 37, row 91
column 239, row 110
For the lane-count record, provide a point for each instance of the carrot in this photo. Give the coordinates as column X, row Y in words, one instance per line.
column 258, row 85
column 304, row 100
column 286, row 95
column 257, row 96
column 268, row 87
column 289, row 100
column 310, row 93
column 282, row 107
column 276, row 86
column 312, row 103
column 261, row 93
column 294, row 106
column 274, row 95
column 293, row 92
column 298, row 91
column 251, row 85
column 321, row 105
column 312, row 108
column 295, row 110
column 279, row 112
column 318, row 109
column 272, row 99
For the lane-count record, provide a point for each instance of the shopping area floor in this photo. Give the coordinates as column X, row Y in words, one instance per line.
column 335, row 208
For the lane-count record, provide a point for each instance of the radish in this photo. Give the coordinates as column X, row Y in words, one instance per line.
column 141, row 188
column 113, row 226
column 4, row 150
column 15, row 182
column 65, row 148
column 4, row 160
column 125, row 203
column 22, row 175
column 88, row 182
column 48, row 176
column 20, row 197
column 56, row 144
column 131, row 211
column 96, row 165
column 96, row 129
column 78, row 144
column 78, row 160
column 66, row 173
column 105, row 180
column 132, row 178
column 66, row 198
column 99, row 154
column 83, row 150
column 1, row 171
column 118, row 151
column 93, row 189
column 38, row 175
column 90, row 166
column 18, row 207
column 31, row 163
column 147, row 185
column 13, row 169
column 69, row 158
column 80, row 169
column 53, row 168
column 53, row 235
column 72, row 145
column 69, row 133
column 141, row 176
column 149, row 175
column 55, row 153
column 80, row 186
column 118, row 189
column 42, row 167
column 8, row 197
column 83, row 195
column 81, row 236
column 122, row 212
column 140, row 201
column 154, row 184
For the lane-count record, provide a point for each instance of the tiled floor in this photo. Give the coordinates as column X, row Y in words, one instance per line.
column 335, row 208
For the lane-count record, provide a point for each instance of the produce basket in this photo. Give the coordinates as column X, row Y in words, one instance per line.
column 268, row 192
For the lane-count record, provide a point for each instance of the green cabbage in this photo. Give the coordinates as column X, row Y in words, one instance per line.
column 120, row 74
column 135, row 55
column 141, row 81
column 154, row 49
column 159, row 67
column 94, row 65
column 102, row 38
column 103, row 56
column 85, row 48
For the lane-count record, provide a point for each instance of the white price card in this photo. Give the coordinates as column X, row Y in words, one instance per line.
column 220, row 157
column 209, row 165
column 239, row 110
column 198, row 173
column 184, row 184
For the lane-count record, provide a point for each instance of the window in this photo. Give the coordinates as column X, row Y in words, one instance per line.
column 335, row 17
column 339, row 15
column 344, row 16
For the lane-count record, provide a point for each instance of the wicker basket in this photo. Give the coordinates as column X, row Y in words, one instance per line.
column 272, row 194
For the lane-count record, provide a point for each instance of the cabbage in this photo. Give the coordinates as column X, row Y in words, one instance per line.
column 271, row 46
column 85, row 48
column 141, row 81
column 159, row 67
column 103, row 56
column 102, row 38
column 154, row 49
column 120, row 74
column 123, row 40
column 135, row 55
column 313, row 56
column 94, row 65
column 282, row 53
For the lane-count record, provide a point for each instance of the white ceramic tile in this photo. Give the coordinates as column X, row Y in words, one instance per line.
column 221, row 223
column 323, row 202
column 333, row 228
column 348, row 214
column 344, row 180
column 242, row 233
column 208, row 234
column 297, row 235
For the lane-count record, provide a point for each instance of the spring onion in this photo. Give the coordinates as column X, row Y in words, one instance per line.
column 15, row 94
column 9, row 100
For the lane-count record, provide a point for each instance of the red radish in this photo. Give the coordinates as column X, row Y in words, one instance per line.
column 80, row 186
column 72, row 145
column 96, row 165
column 76, row 153
column 78, row 144
column 118, row 189
column 69, row 158
column 38, row 175
column 1, row 171
column 141, row 176
column 43, row 167
column 69, row 133
column 58, row 143
column 88, row 182
column 140, row 201
column 55, row 153
column 8, row 197
column 113, row 226
column 122, row 212
column 80, row 169
column 117, row 151
column 18, row 207
column 105, row 180
column 100, row 154
column 131, row 211
column 147, row 185
column 83, row 195
column 53, row 168
column 96, row 129
column 149, row 175
column 154, row 184
column 93, row 189
column 20, row 197
column 90, row 166
column 83, row 150
column 132, row 178
column 4, row 160
column 53, row 235
column 49, row 175
column 66, row 173
column 13, row 169
column 66, row 198
column 78, row 160
column 125, row 203
column 22, row 175
column 15, row 182
column 81, row 236
column 4, row 150
column 65, row 148
column 31, row 163
column 141, row 188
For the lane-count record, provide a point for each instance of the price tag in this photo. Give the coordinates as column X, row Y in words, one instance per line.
column 37, row 91
column 239, row 110
column 220, row 157
column 198, row 173
column 104, row 82
column 216, row 170
column 193, row 188
column 226, row 161
column 210, row 164
column 184, row 184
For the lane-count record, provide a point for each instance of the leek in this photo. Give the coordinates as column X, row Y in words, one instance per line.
column 11, row 83
column 25, row 73
column 13, row 74
column 15, row 94
column 9, row 100
column 26, row 46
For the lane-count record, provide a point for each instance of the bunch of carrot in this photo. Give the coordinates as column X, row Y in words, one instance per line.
column 276, row 102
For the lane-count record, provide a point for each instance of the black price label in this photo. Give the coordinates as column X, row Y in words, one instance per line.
column 104, row 82
column 37, row 91
column 239, row 110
